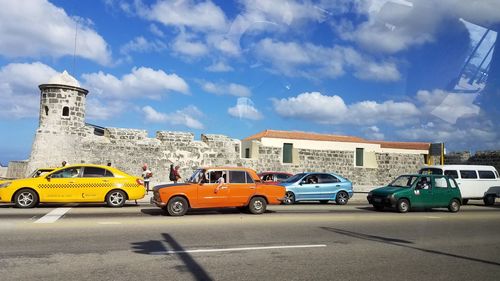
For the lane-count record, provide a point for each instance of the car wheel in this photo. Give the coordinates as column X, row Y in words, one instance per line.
column 465, row 201
column 323, row 201
column 341, row 198
column 26, row 198
column 378, row 207
column 489, row 200
column 289, row 198
column 257, row 205
column 403, row 205
column 454, row 206
column 177, row 206
column 116, row 199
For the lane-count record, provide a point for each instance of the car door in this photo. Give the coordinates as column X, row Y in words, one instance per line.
column 96, row 184
column 208, row 194
column 241, row 187
column 441, row 192
column 310, row 189
column 329, row 185
column 422, row 195
column 61, row 186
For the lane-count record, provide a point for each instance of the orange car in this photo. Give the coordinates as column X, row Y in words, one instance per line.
column 218, row 187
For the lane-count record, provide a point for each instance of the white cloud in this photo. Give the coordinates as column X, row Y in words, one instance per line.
column 97, row 109
column 314, row 61
column 185, row 117
column 142, row 45
column 394, row 26
column 232, row 89
column 448, row 106
column 187, row 45
column 38, row 28
column 205, row 16
column 156, row 30
column 219, row 66
column 373, row 133
column 141, row 82
column 19, row 93
column 245, row 109
column 333, row 110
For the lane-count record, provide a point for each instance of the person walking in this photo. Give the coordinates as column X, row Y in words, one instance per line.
column 177, row 176
column 171, row 175
column 146, row 175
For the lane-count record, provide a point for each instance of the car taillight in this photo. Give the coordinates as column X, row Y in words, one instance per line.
column 140, row 182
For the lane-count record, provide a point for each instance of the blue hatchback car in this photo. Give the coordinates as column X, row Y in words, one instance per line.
column 322, row 187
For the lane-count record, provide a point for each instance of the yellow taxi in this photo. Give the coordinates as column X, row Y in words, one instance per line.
column 75, row 183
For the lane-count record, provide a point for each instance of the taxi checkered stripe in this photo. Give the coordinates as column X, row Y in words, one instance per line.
column 78, row 185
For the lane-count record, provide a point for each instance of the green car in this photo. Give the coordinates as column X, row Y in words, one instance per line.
column 417, row 191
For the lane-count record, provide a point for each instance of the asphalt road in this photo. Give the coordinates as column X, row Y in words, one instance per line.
column 300, row 242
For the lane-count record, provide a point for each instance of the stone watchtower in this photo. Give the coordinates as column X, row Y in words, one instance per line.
column 62, row 105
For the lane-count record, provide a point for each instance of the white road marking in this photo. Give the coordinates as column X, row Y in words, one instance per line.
column 238, row 249
column 109, row 222
column 53, row 216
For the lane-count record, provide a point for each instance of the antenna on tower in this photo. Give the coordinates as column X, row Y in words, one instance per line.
column 74, row 50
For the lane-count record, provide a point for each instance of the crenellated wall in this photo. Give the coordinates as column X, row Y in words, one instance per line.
column 491, row 158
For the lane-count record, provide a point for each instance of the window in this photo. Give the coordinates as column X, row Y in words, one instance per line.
column 468, row 174
column 65, row 111
column 327, row 178
column 237, row 176
column 359, row 156
column 67, row 173
column 213, row 176
column 287, row 153
column 486, row 174
column 440, row 182
column 94, row 172
column 431, row 171
column 46, row 108
column 453, row 183
column 247, row 152
column 249, row 178
column 281, row 177
column 451, row 173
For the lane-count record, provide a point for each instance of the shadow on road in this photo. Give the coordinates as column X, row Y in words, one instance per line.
column 402, row 243
column 169, row 246
column 198, row 212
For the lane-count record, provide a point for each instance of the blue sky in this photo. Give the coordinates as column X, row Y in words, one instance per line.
column 389, row 70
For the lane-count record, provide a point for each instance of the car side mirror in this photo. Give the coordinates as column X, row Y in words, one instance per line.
column 48, row 178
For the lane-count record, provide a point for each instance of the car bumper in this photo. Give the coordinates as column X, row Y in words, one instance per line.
column 381, row 201
column 160, row 204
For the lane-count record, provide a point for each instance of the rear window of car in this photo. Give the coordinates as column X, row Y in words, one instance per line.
column 451, row 173
column 453, row 183
column 282, row 176
column 468, row 174
column 486, row 174
column 239, row 177
column 327, row 178
column 94, row 172
column 441, row 182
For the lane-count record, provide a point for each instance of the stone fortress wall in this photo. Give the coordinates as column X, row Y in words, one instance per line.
column 63, row 135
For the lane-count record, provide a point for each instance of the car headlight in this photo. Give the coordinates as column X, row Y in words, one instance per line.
column 5, row 184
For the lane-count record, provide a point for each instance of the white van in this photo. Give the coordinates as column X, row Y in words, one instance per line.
column 475, row 181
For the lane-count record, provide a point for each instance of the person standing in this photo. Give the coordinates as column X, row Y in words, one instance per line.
column 146, row 175
column 171, row 175
column 177, row 176
column 63, row 164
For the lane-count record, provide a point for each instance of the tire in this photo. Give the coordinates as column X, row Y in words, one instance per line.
column 257, row 205
column 323, row 201
column 378, row 207
column 454, row 206
column 403, row 205
column 177, row 206
column 489, row 200
column 465, row 201
column 289, row 198
column 341, row 198
column 116, row 198
column 26, row 198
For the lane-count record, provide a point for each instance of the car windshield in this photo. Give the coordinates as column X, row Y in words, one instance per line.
column 196, row 176
column 294, row 178
column 36, row 173
column 431, row 171
column 403, row 181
